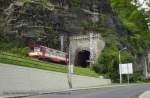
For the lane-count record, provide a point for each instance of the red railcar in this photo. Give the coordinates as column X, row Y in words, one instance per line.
column 45, row 53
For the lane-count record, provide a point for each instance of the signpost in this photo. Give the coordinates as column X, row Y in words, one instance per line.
column 126, row 69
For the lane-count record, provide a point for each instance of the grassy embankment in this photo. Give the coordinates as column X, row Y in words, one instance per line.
column 10, row 58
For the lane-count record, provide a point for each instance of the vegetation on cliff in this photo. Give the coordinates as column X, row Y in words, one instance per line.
column 134, row 35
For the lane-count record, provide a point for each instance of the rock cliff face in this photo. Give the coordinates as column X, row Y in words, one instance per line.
column 3, row 5
column 41, row 21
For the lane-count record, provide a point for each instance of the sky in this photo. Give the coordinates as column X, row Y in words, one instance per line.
column 144, row 5
column 147, row 8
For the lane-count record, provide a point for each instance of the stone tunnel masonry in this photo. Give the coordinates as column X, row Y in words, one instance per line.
column 82, row 43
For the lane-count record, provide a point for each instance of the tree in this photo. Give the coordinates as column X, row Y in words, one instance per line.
column 144, row 5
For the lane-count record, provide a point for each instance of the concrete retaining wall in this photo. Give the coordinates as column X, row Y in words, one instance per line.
column 15, row 79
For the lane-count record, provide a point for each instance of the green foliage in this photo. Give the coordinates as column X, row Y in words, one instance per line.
column 138, row 77
column 107, row 63
column 88, row 25
column 74, row 3
column 130, row 26
column 99, row 26
column 133, row 21
column 8, row 46
column 107, row 59
column 84, row 24
column 20, row 51
column 136, row 41
column 102, row 20
column 52, row 38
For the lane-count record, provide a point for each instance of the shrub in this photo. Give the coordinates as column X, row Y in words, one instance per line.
column 20, row 51
column 108, row 62
column 138, row 77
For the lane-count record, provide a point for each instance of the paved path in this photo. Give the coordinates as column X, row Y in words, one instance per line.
column 114, row 92
column 22, row 80
column 145, row 95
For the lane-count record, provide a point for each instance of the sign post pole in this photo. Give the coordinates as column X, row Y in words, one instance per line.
column 91, row 49
column 128, row 78
column 128, row 75
column 120, row 69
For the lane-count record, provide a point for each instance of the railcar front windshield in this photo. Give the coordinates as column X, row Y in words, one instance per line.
column 36, row 49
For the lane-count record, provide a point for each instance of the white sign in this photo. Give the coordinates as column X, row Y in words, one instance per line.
column 126, row 68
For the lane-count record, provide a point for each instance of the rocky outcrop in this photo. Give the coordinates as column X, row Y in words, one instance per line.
column 3, row 5
column 38, row 20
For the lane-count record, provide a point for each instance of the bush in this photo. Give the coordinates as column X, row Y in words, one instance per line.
column 20, row 51
column 74, row 3
column 11, row 47
column 4, row 45
column 138, row 77
column 108, row 62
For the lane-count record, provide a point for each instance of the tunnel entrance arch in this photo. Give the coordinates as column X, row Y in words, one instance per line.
column 85, row 48
column 82, row 58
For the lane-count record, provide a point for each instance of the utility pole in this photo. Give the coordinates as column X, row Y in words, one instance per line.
column 146, row 69
column 69, row 75
column 128, row 75
column 62, row 42
column 91, row 50
column 69, row 69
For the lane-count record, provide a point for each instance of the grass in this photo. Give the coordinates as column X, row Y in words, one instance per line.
column 10, row 58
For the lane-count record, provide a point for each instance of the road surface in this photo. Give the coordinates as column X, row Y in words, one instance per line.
column 114, row 92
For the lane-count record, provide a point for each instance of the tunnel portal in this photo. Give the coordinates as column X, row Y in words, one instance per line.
column 82, row 58
column 85, row 47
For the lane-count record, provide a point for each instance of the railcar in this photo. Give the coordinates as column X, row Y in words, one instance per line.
column 45, row 53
